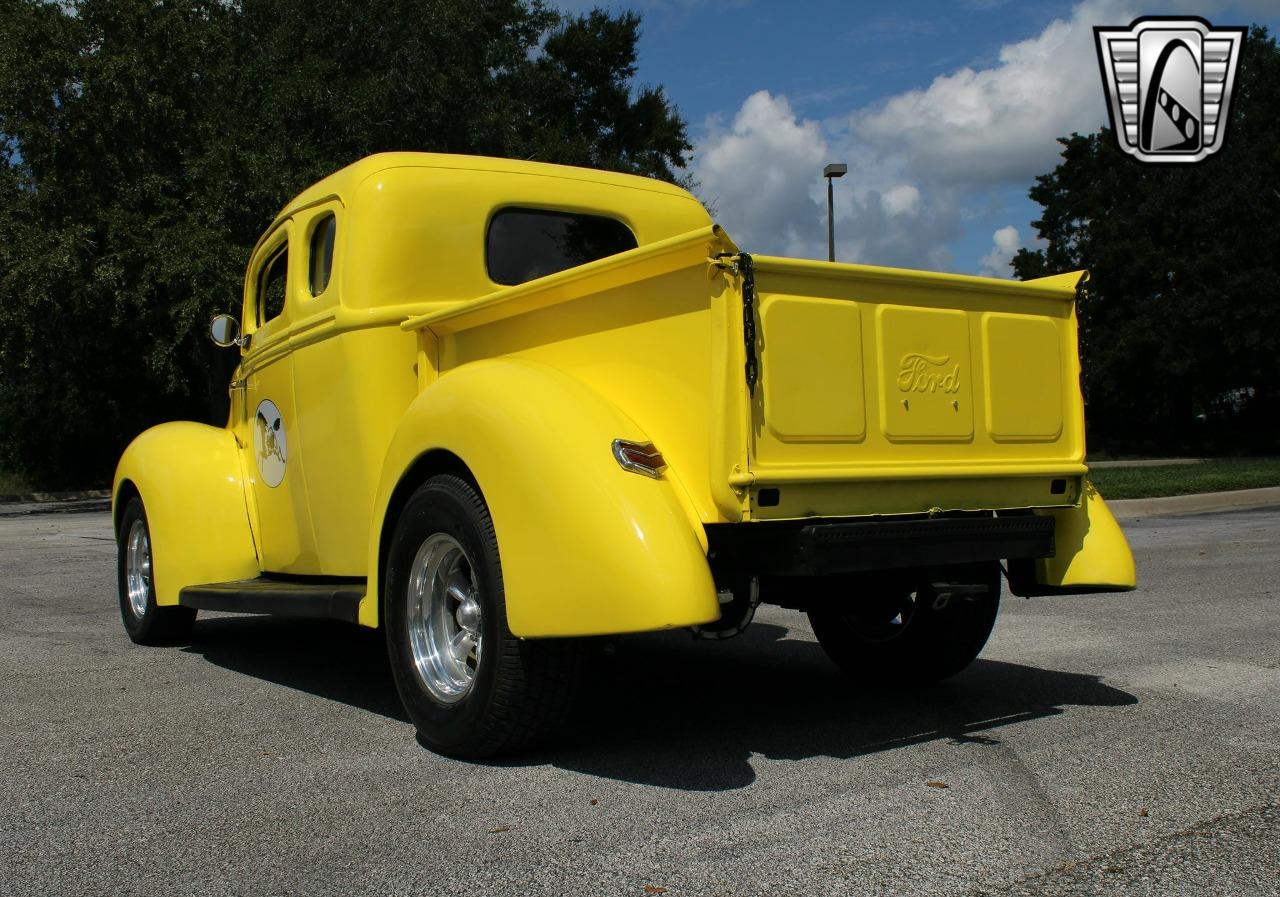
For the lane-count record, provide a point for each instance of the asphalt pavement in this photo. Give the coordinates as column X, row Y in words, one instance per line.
column 1118, row 744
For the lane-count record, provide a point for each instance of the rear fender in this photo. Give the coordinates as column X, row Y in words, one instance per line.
column 1092, row 554
column 586, row 547
column 192, row 487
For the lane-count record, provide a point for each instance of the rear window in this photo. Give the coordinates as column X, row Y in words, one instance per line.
column 525, row 244
column 321, row 263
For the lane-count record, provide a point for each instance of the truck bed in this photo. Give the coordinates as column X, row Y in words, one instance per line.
column 783, row 389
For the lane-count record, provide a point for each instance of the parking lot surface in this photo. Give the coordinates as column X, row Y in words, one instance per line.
column 1116, row 744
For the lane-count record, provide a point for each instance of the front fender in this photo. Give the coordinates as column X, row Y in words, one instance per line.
column 192, row 486
column 586, row 547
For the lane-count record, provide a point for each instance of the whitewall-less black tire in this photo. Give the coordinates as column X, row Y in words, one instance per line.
column 470, row 687
column 146, row 622
column 907, row 635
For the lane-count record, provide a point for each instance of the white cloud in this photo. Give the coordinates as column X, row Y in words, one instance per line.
column 998, row 124
column 1211, row 7
column 1005, row 244
column 763, row 177
column 919, row 161
column 901, row 199
column 760, row 172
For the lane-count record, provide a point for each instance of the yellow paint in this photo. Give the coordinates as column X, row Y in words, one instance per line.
column 1021, row 350
column 937, row 361
column 633, row 329
column 814, row 391
column 832, row 493
column 283, row 518
column 412, row 350
column 1092, row 550
column 585, row 546
column 925, row 374
column 193, row 489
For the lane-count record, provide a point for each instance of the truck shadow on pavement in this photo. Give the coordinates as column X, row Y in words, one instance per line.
column 675, row 713
column 667, row 711
column 333, row 660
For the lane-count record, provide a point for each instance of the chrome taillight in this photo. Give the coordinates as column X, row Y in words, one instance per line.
column 639, row 457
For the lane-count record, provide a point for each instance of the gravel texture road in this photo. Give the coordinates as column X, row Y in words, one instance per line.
column 1122, row 744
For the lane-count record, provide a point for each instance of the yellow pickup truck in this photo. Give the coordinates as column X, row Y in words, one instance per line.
column 494, row 407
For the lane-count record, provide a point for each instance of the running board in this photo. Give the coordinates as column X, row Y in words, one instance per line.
column 334, row 599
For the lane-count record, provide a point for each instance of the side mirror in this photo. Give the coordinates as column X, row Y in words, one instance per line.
column 225, row 331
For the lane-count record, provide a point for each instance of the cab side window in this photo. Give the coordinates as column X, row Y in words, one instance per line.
column 272, row 286
column 321, row 261
column 524, row 244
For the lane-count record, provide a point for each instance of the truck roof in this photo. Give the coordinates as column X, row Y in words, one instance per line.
column 344, row 180
column 400, row 206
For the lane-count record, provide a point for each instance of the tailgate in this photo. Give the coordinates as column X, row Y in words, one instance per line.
column 884, row 391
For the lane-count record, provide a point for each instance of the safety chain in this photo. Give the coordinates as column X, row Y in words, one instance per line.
column 742, row 265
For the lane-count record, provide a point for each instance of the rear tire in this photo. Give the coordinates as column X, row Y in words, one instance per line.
column 470, row 687
column 906, row 635
column 146, row 622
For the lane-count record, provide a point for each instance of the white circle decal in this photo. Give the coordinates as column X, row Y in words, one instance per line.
column 269, row 443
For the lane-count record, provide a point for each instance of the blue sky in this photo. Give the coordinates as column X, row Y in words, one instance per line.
column 945, row 112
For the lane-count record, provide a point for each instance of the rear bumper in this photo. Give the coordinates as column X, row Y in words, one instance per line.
column 801, row 548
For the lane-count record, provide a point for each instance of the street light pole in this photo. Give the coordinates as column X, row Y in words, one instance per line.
column 831, row 172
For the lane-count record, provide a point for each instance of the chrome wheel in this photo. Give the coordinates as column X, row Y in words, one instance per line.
column 471, row 688
column 137, row 570
column 444, row 617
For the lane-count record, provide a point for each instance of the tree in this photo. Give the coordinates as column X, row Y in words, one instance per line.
column 1180, row 320
column 145, row 145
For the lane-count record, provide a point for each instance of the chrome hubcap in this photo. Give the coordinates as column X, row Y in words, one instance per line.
column 137, row 568
column 443, row 611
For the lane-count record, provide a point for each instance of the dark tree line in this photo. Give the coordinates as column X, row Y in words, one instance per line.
column 1180, row 321
column 145, row 144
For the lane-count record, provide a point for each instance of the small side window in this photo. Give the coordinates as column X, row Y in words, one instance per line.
column 321, row 265
column 271, row 288
column 525, row 244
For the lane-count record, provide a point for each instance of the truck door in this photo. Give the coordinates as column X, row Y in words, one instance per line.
column 267, row 426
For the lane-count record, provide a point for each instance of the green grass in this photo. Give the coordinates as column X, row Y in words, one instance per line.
column 12, row 483
column 1217, row 475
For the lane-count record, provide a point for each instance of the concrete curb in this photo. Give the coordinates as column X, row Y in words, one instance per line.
column 1146, row 462
column 1204, row 503
column 27, row 497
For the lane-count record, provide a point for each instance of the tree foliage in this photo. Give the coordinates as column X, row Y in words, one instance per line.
column 1180, row 320
column 145, row 144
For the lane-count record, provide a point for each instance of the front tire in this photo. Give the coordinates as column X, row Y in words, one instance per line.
column 908, row 634
column 146, row 622
column 470, row 687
